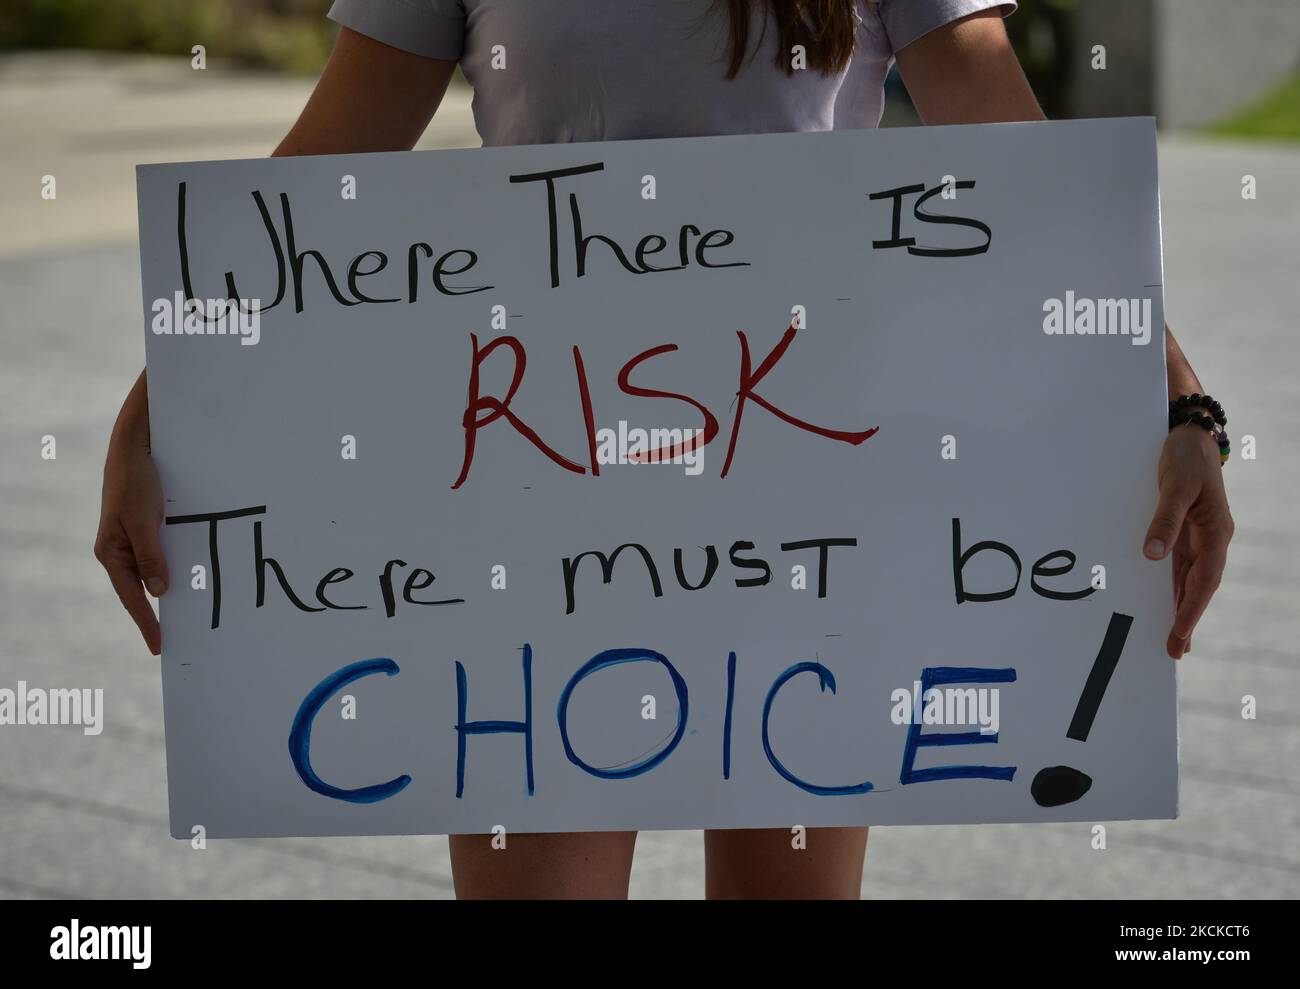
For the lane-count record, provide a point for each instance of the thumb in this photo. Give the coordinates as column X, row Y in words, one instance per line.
column 149, row 561
column 1170, row 512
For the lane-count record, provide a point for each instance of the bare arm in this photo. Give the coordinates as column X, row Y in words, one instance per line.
column 371, row 97
column 967, row 73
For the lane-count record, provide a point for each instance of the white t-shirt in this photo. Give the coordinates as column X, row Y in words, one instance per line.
column 607, row 70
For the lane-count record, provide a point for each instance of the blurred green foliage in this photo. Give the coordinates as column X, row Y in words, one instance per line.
column 291, row 35
column 295, row 36
column 1275, row 117
column 1042, row 32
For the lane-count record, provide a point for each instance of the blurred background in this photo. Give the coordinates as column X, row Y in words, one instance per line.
column 89, row 89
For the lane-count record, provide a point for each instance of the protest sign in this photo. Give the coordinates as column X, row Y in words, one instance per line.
column 748, row 481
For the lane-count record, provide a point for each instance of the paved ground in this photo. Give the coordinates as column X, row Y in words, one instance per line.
column 89, row 119
column 86, row 816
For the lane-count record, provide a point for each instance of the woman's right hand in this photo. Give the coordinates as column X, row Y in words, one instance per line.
column 131, row 512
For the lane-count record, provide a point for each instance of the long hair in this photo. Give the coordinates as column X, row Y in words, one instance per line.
column 825, row 28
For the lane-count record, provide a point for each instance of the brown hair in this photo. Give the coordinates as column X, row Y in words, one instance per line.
column 825, row 28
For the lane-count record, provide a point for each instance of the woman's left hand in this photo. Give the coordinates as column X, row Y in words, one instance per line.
column 1192, row 520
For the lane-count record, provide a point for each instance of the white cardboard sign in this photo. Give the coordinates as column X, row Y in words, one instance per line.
column 888, row 570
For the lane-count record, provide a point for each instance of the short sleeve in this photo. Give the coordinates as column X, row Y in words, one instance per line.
column 433, row 28
column 907, row 20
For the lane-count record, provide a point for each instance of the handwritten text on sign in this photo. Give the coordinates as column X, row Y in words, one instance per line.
column 726, row 482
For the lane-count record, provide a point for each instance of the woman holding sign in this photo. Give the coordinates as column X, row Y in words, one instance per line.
column 551, row 71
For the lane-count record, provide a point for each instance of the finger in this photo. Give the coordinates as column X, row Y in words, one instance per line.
column 1171, row 510
column 126, row 582
column 1180, row 577
column 1202, row 581
column 149, row 561
column 1175, row 646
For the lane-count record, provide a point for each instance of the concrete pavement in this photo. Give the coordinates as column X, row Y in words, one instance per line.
column 89, row 118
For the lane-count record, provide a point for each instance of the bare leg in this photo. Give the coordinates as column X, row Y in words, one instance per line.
column 761, row 864
column 590, row 865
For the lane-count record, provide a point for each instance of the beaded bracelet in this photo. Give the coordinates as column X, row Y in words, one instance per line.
column 1196, row 401
column 1187, row 410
